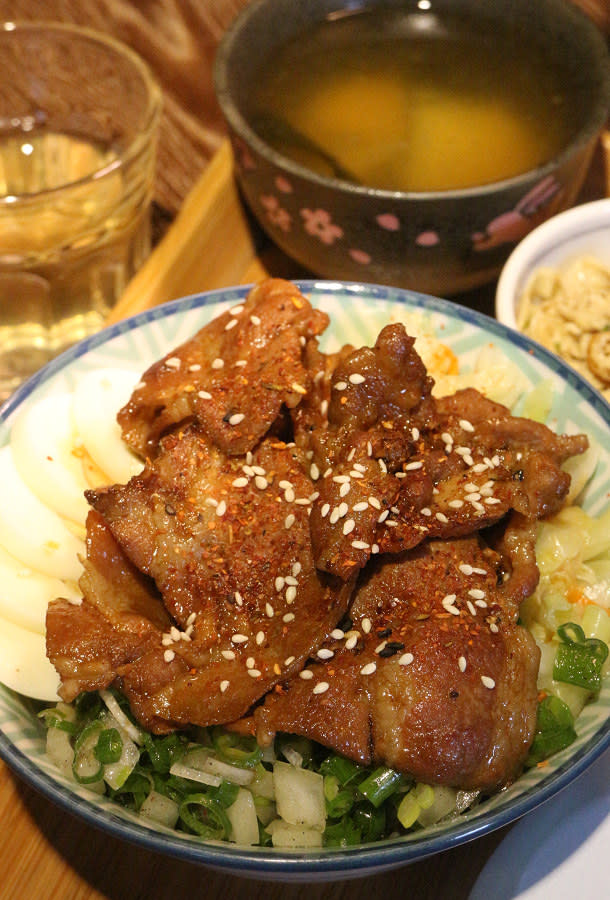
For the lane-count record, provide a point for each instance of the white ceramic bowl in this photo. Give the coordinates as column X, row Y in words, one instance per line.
column 357, row 312
column 583, row 230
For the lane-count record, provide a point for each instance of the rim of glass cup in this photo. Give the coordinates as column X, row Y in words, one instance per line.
column 153, row 112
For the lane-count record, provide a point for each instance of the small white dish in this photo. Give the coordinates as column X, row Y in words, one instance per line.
column 582, row 230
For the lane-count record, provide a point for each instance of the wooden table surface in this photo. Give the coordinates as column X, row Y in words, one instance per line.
column 45, row 852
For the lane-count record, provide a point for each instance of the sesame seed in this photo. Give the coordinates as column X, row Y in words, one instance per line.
column 465, row 425
column 476, row 593
column 191, row 618
column 289, row 521
column 240, row 363
column 343, row 510
column 456, row 504
column 260, row 637
column 290, row 579
column 325, row 654
column 240, row 482
column 344, row 489
column 221, row 508
column 218, row 363
column 261, row 482
column 230, row 324
column 426, row 511
column 488, row 682
column 471, row 608
column 374, row 548
column 239, row 599
column 360, row 545
column 337, row 634
column 239, row 638
column 356, row 378
column 358, row 467
column 279, row 583
column 465, row 568
column 204, row 395
column 366, row 625
column 441, row 517
column 325, row 510
column 361, row 506
column 348, row 526
column 415, row 433
column 374, row 502
column 462, row 663
column 288, row 617
column 383, row 516
column 223, row 686
column 314, row 472
column 250, row 662
column 412, row 466
column 351, row 640
column 321, row 687
column 289, row 660
column 228, row 654
column 493, row 628
column 380, row 647
column 406, row 659
column 254, row 673
column 340, row 385
column 236, row 418
column 306, row 674
column 255, row 320
column 340, row 479
column 174, row 362
column 368, row 669
column 269, row 611
column 168, row 655
column 291, row 594
column 492, row 500
column 298, row 388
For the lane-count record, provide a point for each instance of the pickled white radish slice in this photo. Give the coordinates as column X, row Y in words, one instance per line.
column 25, row 593
column 32, row 532
column 45, row 451
column 97, row 399
column 24, row 666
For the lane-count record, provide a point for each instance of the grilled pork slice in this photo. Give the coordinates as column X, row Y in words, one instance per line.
column 233, row 377
column 120, row 619
column 431, row 675
column 400, row 467
column 226, row 543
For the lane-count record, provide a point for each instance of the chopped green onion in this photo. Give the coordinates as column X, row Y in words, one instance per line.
column 236, row 749
column 342, row 834
column 343, row 769
column 86, row 768
column 381, row 784
column 579, row 660
column 109, row 746
column 339, row 800
column 370, row 821
column 204, row 816
column 554, row 730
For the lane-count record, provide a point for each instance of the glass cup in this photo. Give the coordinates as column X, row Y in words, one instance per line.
column 79, row 115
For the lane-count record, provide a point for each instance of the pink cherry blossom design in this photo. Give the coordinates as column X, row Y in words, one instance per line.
column 427, row 239
column 388, row 221
column 283, row 185
column 319, row 223
column 360, row 256
column 276, row 214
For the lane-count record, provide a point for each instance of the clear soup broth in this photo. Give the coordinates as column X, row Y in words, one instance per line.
column 401, row 101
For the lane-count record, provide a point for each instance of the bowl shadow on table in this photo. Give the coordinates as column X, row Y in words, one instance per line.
column 118, row 870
